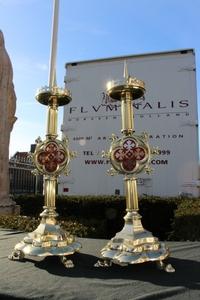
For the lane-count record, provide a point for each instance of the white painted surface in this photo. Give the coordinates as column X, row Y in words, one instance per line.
column 168, row 114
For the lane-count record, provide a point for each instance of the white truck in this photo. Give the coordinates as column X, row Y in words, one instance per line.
column 168, row 113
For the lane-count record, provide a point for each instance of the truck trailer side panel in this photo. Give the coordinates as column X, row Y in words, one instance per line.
column 168, row 113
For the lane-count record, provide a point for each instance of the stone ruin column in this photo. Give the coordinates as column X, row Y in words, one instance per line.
column 7, row 119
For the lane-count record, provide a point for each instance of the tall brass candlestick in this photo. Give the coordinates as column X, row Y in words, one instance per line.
column 51, row 158
column 130, row 155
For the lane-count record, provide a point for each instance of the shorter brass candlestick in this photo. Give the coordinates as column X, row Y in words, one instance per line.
column 130, row 155
column 51, row 158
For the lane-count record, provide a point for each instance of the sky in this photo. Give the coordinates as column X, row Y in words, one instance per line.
column 88, row 29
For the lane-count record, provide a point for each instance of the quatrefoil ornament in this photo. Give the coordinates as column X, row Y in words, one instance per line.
column 129, row 155
column 52, row 157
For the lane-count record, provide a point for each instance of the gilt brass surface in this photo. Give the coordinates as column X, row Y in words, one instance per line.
column 130, row 155
column 46, row 95
column 116, row 89
column 51, row 158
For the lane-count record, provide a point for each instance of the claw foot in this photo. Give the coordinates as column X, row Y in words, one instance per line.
column 166, row 267
column 68, row 263
column 17, row 255
column 103, row 263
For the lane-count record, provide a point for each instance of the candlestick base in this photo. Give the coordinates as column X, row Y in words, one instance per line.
column 47, row 240
column 134, row 245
